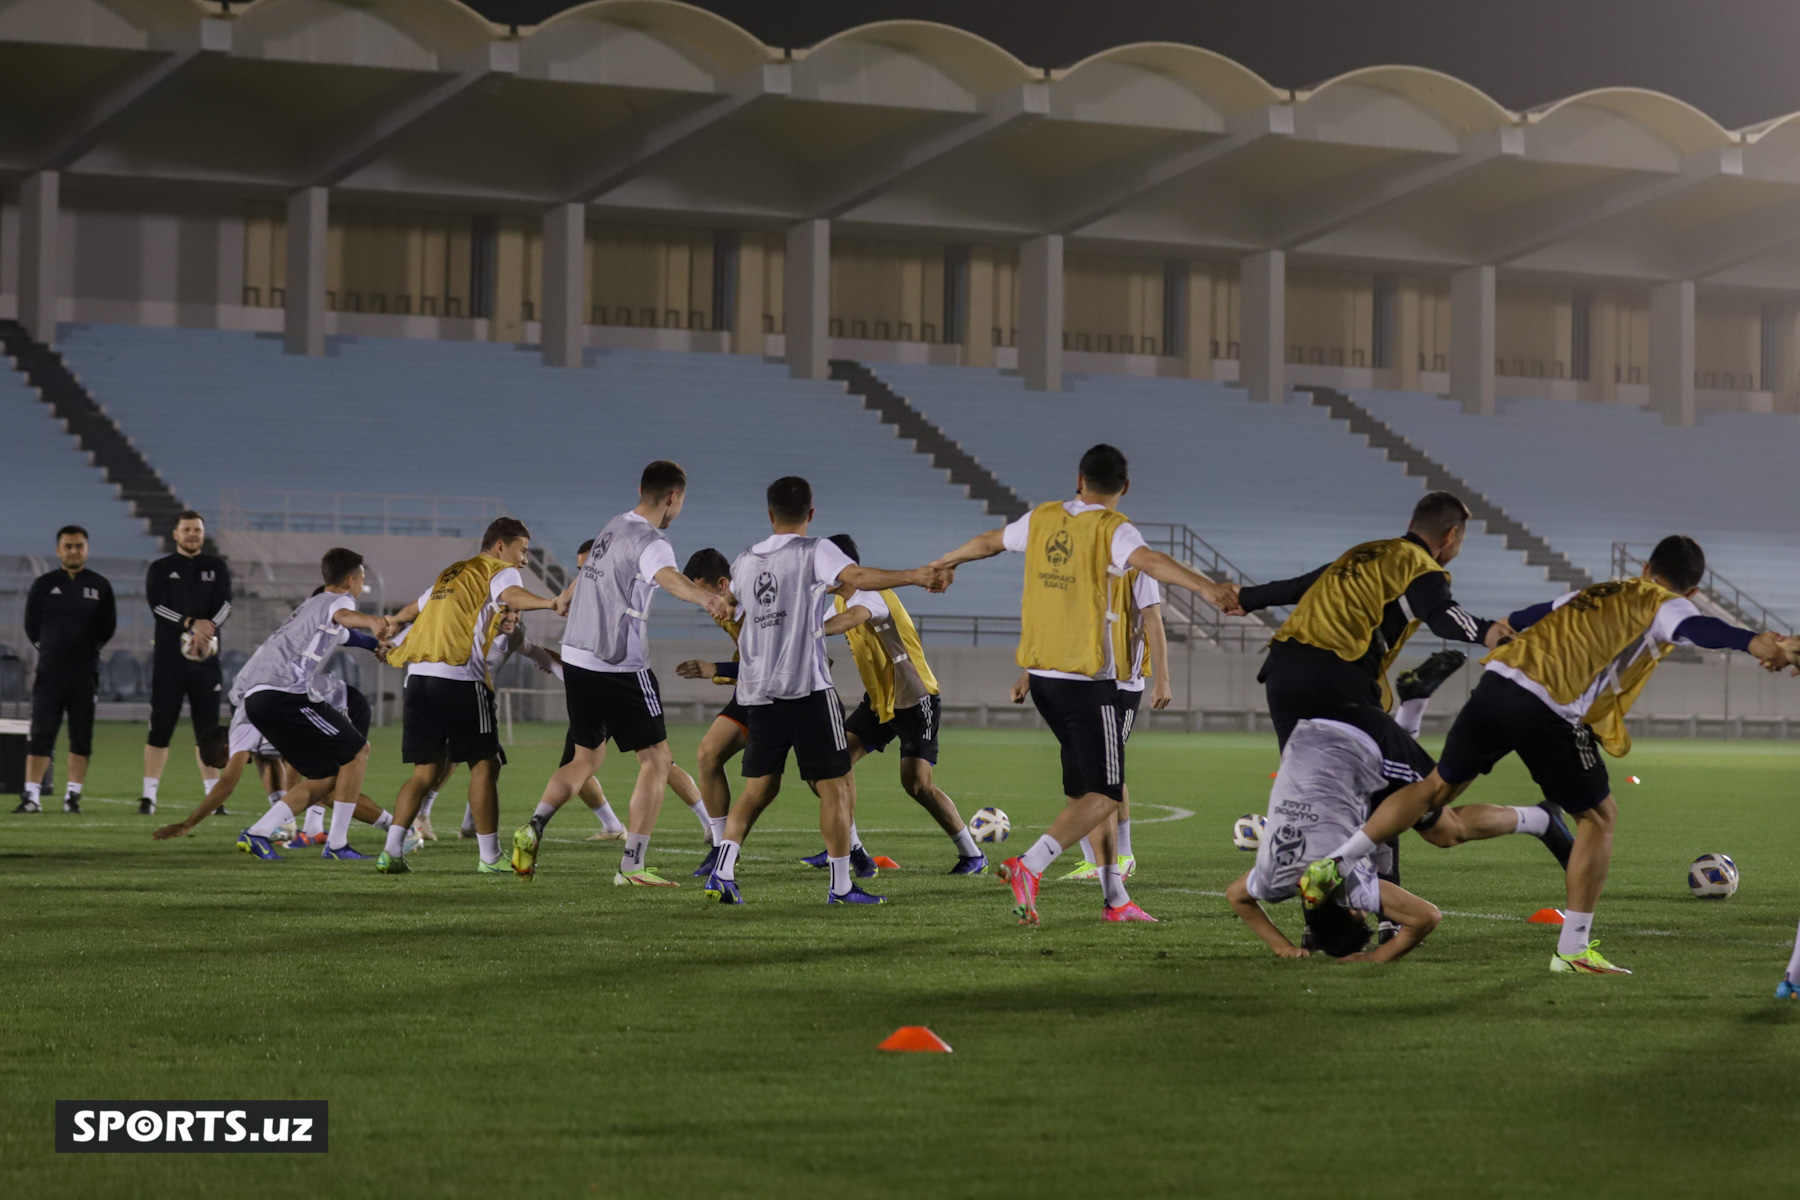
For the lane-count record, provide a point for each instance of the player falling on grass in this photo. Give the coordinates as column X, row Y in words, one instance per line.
column 607, row 679
column 900, row 703
column 1073, row 636
column 448, row 712
column 1555, row 695
column 1328, row 771
column 724, row 738
column 782, row 586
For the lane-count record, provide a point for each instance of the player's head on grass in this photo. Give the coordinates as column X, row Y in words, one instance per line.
column 709, row 569
column 847, row 544
column 506, row 539
column 1678, row 563
column 661, row 490
column 72, row 547
column 1335, row 930
column 342, row 570
column 215, row 747
column 1104, row 475
column 1440, row 520
column 790, row 504
column 189, row 532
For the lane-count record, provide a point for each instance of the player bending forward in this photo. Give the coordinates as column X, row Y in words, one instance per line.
column 1564, row 683
column 1329, row 770
column 784, row 681
column 724, row 738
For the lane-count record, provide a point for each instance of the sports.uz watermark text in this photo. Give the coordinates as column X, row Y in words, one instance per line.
column 192, row 1127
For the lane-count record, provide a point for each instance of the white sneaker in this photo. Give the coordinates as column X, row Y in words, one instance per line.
column 412, row 841
column 423, row 828
column 608, row 835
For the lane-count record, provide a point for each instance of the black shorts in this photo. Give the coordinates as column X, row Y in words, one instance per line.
column 448, row 720
column 315, row 739
column 356, row 707
column 1129, row 700
column 1503, row 718
column 736, row 713
column 54, row 692
column 623, row 705
column 174, row 679
column 812, row 727
column 916, row 727
column 1084, row 715
column 1303, row 683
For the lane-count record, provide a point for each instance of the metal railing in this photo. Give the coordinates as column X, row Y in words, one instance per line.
column 1727, row 596
column 365, row 513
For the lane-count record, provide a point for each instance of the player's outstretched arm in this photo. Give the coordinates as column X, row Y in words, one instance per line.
column 847, row 620
column 215, row 799
column 1163, row 569
column 1416, row 918
column 522, row 600
column 982, row 545
column 1251, row 913
column 935, row 577
column 682, row 588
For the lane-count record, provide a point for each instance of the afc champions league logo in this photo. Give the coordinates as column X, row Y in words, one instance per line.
column 601, row 545
column 1060, row 548
column 766, row 589
column 1288, row 845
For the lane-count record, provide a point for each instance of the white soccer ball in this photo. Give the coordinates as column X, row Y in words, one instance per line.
column 285, row 835
column 1713, row 877
column 1247, row 831
column 990, row 825
column 197, row 649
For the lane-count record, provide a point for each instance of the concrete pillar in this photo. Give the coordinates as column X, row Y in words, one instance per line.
column 1780, row 324
column 1403, row 354
column 1041, row 312
column 806, row 299
column 1603, row 348
column 1672, row 351
column 978, row 320
column 40, row 223
column 747, row 317
column 507, row 322
column 1262, row 319
column 1472, row 315
column 565, row 265
column 308, row 215
column 1196, row 333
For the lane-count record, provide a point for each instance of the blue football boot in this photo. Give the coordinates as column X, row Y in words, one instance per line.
column 1787, row 991
column 861, row 865
column 725, row 891
column 707, row 864
column 854, row 896
column 257, row 845
column 818, row 861
column 966, row 865
column 345, row 853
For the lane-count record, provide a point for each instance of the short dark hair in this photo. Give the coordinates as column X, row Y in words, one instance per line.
column 338, row 565
column 504, row 529
column 707, row 566
column 660, row 478
column 215, row 747
column 581, row 550
column 1335, row 930
column 1105, row 469
column 790, row 499
column 72, row 531
column 1678, row 561
column 188, row 514
column 847, row 544
column 1437, row 514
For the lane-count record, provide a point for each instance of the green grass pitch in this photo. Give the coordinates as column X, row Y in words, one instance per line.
column 488, row 1037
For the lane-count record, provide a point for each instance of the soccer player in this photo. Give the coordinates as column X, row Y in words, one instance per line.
column 190, row 593
column 724, row 738
column 1328, row 771
column 607, row 679
column 1073, row 637
column 784, row 680
column 900, row 703
column 69, row 616
column 448, row 711
column 1563, row 684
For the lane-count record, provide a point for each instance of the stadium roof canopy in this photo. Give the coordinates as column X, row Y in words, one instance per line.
column 652, row 109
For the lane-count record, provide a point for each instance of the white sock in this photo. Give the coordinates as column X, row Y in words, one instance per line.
column 396, row 841
column 855, row 838
column 430, row 799
column 490, row 847
column 1532, row 820
column 840, row 874
column 150, row 786
column 716, row 826
column 1112, row 881
column 33, row 791
column 341, row 812
column 72, row 789
column 315, row 820
column 1358, row 848
column 1087, row 851
column 206, row 786
column 1409, row 715
column 728, row 856
column 633, row 858
column 609, row 820
column 1124, row 839
column 1575, row 931
column 279, row 814
column 965, row 843
column 698, row 808
column 1793, row 971
column 1043, row 852
column 543, row 813
column 384, row 820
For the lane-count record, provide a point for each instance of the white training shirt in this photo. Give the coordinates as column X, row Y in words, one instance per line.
column 828, row 564
column 1125, row 540
column 1662, row 630
column 476, row 666
column 1320, row 797
column 1145, row 592
column 657, row 555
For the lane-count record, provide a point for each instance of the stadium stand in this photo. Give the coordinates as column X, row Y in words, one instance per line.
column 1587, row 475
column 560, row 449
column 1278, row 488
column 49, row 483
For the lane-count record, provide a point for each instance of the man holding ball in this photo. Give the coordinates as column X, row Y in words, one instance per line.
column 190, row 594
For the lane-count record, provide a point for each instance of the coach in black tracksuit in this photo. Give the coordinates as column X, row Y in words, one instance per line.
column 69, row 615
column 188, row 591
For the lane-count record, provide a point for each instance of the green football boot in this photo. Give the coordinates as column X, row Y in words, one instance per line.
column 499, row 866
column 1319, row 881
column 392, row 866
column 524, row 851
column 1589, row 962
column 1087, row 872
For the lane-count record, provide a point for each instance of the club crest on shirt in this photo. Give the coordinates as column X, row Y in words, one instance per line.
column 766, row 589
column 1351, row 567
column 1288, row 846
column 1060, row 548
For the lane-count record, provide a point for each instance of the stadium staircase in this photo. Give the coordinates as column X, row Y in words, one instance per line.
column 151, row 500
column 1438, row 477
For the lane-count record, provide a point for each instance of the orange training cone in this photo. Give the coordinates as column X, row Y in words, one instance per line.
column 915, row 1038
column 1546, row 916
column 886, row 863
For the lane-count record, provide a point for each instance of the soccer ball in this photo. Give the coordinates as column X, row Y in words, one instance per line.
column 1247, row 831
column 197, row 649
column 990, row 825
column 1713, row 877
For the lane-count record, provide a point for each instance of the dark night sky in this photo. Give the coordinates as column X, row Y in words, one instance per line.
column 1739, row 60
